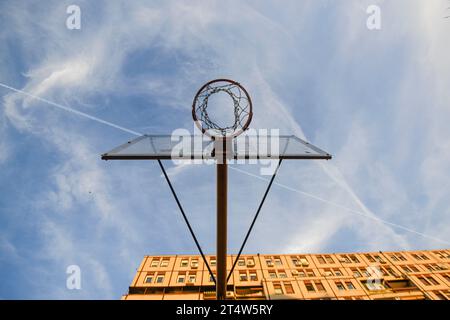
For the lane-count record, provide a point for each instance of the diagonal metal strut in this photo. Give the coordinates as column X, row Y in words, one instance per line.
column 186, row 220
column 254, row 219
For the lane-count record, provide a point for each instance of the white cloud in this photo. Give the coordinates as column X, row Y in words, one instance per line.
column 272, row 54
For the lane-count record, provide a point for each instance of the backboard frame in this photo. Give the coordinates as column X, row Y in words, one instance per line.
column 118, row 154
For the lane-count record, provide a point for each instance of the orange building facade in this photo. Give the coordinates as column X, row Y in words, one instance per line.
column 405, row 275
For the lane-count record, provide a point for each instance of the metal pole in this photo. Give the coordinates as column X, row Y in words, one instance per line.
column 222, row 181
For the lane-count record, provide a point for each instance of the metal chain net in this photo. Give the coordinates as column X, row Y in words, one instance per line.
column 241, row 108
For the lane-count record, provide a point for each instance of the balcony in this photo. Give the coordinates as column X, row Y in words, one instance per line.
column 211, row 295
column 401, row 285
column 387, row 287
column 249, row 293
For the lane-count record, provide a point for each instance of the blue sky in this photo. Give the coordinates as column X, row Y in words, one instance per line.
column 377, row 100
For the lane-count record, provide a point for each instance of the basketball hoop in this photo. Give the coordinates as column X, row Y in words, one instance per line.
column 242, row 109
column 160, row 147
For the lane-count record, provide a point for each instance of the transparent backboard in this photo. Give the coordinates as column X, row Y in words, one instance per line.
column 153, row 147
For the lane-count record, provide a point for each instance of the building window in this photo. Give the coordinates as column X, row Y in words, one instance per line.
column 253, row 276
column 295, row 261
column 329, row 259
column 149, row 279
column 420, row 256
column 211, row 279
column 269, row 262
column 192, row 278
column 277, row 289
column 282, row 274
column 406, row 269
column 181, row 278
column 250, row 262
column 319, row 286
column 409, row 268
column 374, row 285
column 446, row 277
column 391, row 272
column 440, row 296
column 159, row 279
column 337, row 273
column 442, row 254
column 388, row 271
column 241, row 262
column 350, row 286
column 354, row 258
column 243, row 276
column 397, row 257
column 370, row 258
column 194, row 264
column 356, row 273
column 310, row 273
column 309, row 287
column 278, row 262
column 424, row 281
column 328, row 273
column 164, row 263
column 184, row 263
column 340, row 286
column 304, row 261
column 378, row 259
column 321, row 259
column 432, row 280
column 288, row 287
column 155, row 263
column 212, row 262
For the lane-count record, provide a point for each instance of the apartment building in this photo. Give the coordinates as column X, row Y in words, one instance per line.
column 405, row 275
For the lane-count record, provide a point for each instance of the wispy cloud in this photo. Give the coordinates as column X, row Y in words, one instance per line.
column 377, row 101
